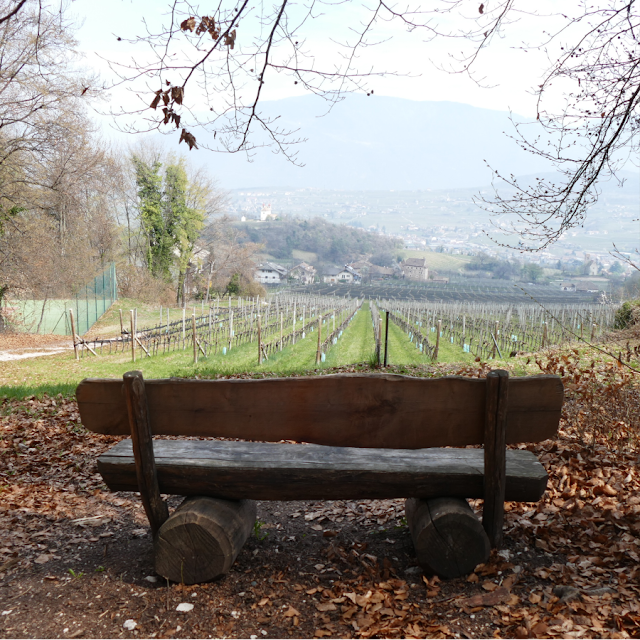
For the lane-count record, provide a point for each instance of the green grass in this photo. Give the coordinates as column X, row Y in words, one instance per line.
column 356, row 344
column 404, row 352
column 62, row 373
column 307, row 256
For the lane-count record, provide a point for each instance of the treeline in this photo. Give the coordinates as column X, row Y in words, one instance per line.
column 333, row 244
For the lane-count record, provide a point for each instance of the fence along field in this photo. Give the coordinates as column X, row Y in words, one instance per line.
column 50, row 313
column 492, row 330
column 273, row 324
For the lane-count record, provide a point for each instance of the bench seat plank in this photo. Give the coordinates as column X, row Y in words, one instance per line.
column 265, row 471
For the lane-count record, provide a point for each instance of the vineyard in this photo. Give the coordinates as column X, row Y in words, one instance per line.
column 255, row 332
column 456, row 292
column 271, row 325
column 490, row 331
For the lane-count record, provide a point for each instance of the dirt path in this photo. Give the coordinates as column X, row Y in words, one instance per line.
column 18, row 346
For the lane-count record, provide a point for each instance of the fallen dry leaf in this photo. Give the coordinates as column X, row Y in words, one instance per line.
column 498, row 596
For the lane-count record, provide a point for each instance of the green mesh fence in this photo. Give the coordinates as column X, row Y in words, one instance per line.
column 52, row 315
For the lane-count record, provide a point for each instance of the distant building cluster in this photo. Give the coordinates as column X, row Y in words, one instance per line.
column 358, row 272
column 272, row 273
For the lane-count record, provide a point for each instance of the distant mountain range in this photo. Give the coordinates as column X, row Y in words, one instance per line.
column 381, row 143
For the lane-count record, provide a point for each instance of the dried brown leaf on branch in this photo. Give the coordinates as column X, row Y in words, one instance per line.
column 189, row 138
column 230, row 39
column 177, row 94
column 189, row 24
column 156, row 100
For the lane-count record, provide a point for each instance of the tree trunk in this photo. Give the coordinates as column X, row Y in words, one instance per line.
column 202, row 538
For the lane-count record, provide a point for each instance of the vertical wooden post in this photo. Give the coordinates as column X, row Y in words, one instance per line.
column 544, row 335
column 73, row 333
column 281, row 328
column 194, row 333
column 379, row 341
column 319, row 333
column 438, row 331
column 495, row 429
column 294, row 323
column 386, row 341
column 141, row 439
column 184, row 311
column 230, row 328
column 133, row 336
column 259, row 341
column 121, row 325
column 593, row 331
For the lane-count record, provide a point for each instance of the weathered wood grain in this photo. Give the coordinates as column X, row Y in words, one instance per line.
column 354, row 410
column 202, row 538
column 264, row 471
column 448, row 537
column 494, row 455
column 142, row 446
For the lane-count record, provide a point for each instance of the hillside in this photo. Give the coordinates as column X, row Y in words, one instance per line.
column 285, row 239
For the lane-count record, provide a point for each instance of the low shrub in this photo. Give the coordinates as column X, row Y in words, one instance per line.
column 627, row 315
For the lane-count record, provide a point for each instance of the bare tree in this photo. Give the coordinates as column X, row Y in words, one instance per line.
column 207, row 72
column 228, row 254
column 595, row 65
column 39, row 90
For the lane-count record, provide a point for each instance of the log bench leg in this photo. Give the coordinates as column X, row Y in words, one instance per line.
column 202, row 538
column 448, row 537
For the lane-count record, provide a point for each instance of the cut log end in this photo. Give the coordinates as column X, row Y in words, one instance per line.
column 447, row 535
column 202, row 538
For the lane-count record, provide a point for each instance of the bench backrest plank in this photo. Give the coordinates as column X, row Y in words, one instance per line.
column 351, row 410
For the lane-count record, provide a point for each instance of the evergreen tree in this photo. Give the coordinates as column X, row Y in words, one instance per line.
column 171, row 220
column 159, row 243
column 183, row 222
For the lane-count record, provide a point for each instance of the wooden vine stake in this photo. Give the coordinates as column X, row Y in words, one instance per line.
column 133, row 340
column 386, row 341
column 73, row 333
column 195, row 338
column 319, row 333
column 438, row 332
column 259, row 341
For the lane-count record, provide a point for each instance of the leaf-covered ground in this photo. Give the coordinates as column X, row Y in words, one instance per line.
column 76, row 560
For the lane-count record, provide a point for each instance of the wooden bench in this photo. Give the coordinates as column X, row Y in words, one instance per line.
column 367, row 435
